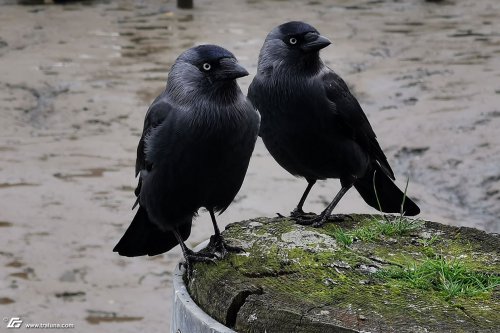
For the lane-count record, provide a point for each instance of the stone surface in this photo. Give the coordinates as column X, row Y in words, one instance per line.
column 295, row 278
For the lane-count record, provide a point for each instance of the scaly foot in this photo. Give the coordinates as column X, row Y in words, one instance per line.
column 218, row 248
column 298, row 213
column 191, row 257
column 319, row 220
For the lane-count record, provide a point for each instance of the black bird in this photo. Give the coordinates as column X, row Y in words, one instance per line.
column 314, row 127
column 194, row 152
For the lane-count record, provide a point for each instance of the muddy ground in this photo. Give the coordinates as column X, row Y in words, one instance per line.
column 76, row 81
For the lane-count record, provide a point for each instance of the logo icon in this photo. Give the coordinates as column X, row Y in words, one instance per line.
column 14, row 322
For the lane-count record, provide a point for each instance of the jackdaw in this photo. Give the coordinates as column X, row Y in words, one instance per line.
column 314, row 127
column 194, row 151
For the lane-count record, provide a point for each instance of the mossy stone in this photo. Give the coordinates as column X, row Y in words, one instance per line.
column 295, row 278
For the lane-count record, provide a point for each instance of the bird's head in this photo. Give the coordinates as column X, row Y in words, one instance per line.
column 213, row 62
column 204, row 68
column 293, row 43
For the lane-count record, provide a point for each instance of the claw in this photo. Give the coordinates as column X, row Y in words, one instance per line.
column 298, row 213
column 218, row 248
column 200, row 258
column 192, row 257
column 318, row 221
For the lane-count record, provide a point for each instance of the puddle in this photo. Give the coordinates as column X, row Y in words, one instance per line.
column 15, row 264
column 7, row 185
column 71, row 295
column 98, row 317
column 21, row 275
column 6, row 300
column 87, row 173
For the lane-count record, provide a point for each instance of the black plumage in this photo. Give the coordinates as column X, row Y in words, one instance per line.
column 314, row 127
column 194, row 151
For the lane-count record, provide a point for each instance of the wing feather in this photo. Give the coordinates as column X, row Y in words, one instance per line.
column 157, row 113
column 346, row 110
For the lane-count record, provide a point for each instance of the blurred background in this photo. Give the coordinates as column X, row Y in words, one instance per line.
column 77, row 78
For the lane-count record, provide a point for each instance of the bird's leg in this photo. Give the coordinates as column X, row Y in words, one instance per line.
column 216, row 243
column 298, row 212
column 319, row 220
column 217, row 246
column 189, row 255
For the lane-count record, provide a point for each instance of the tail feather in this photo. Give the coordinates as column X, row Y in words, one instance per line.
column 389, row 195
column 145, row 238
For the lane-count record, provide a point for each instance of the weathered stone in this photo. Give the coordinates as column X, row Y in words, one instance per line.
column 295, row 278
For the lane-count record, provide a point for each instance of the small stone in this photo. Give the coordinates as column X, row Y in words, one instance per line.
column 308, row 240
column 341, row 264
column 367, row 269
column 240, row 243
column 329, row 282
column 361, row 317
column 425, row 235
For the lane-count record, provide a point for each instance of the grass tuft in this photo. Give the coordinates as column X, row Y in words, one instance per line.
column 398, row 227
column 377, row 228
column 449, row 277
column 342, row 236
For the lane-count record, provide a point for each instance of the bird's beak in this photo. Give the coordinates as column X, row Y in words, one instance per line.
column 230, row 69
column 314, row 42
